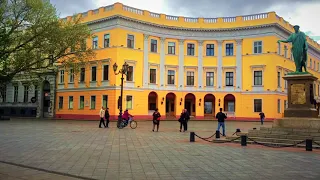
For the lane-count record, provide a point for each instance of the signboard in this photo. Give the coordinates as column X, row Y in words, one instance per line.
column 298, row 94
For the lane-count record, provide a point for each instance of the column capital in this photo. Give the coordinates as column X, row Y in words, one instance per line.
column 181, row 41
column 146, row 37
column 239, row 41
column 220, row 42
column 200, row 42
column 162, row 39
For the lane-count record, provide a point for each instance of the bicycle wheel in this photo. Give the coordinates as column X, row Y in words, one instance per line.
column 121, row 125
column 133, row 124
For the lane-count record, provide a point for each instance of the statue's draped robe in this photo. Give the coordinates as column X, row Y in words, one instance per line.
column 299, row 43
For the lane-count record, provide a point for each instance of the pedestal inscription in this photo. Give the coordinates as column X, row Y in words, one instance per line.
column 298, row 94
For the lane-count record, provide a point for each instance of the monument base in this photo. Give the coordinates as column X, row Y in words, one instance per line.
column 301, row 112
column 298, row 123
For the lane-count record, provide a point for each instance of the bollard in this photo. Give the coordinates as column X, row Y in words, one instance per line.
column 192, row 134
column 217, row 134
column 309, row 145
column 243, row 140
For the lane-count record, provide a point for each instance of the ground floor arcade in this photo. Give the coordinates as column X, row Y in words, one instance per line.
column 200, row 105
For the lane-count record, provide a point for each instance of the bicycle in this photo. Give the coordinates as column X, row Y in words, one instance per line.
column 124, row 123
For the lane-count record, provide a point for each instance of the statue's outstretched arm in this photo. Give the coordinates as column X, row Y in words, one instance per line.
column 286, row 41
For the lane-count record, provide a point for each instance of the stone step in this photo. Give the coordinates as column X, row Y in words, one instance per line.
column 275, row 140
column 291, row 137
column 289, row 129
column 285, row 133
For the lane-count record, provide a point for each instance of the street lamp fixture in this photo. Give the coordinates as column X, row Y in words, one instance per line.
column 123, row 71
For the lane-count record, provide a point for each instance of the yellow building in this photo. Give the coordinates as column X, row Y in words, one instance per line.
column 201, row 64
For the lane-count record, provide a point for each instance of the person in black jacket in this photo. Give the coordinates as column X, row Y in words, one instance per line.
column 221, row 117
column 182, row 120
column 187, row 118
column 107, row 115
column 156, row 119
column 262, row 116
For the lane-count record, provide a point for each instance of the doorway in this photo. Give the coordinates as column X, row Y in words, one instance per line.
column 170, row 105
column 190, row 104
column 46, row 99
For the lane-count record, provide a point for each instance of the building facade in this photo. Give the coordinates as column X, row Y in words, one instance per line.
column 175, row 63
column 30, row 96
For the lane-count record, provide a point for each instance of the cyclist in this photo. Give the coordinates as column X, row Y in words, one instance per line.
column 126, row 116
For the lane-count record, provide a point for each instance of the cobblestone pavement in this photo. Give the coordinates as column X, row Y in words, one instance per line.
column 64, row 149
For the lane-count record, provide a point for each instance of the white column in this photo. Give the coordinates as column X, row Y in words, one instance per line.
column 200, row 64
column 219, row 64
column 162, row 56
column 181, row 63
column 145, row 60
column 239, row 64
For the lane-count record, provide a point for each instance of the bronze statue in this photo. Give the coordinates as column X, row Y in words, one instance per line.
column 299, row 48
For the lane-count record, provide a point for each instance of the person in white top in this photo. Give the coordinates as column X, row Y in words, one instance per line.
column 101, row 114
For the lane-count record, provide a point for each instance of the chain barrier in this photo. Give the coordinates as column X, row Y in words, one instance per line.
column 316, row 143
column 276, row 145
column 206, row 139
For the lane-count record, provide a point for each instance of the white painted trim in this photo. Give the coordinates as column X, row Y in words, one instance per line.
column 102, row 100
column 156, row 68
column 80, row 102
column 91, row 102
column 134, row 41
column 131, row 102
column 254, row 47
column 69, row 102
column 175, row 76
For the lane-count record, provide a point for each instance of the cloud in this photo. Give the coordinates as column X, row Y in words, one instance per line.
column 70, row 7
column 218, row 8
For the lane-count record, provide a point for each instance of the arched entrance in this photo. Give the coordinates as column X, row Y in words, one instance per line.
column 152, row 101
column 46, row 99
column 190, row 104
column 229, row 103
column 170, row 104
column 209, row 105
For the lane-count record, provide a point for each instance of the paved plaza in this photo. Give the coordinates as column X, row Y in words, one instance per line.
column 47, row 149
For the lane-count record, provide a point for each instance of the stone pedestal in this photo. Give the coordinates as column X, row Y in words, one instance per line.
column 300, row 96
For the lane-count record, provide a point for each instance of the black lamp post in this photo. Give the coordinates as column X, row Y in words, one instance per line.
column 122, row 71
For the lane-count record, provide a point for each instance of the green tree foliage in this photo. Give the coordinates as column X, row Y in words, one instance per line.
column 33, row 38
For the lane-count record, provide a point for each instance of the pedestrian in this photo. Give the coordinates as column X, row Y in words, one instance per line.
column 182, row 120
column 221, row 117
column 187, row 118
column 107, row 116
column 102, row 113
column 156, row 119
column 262, row 116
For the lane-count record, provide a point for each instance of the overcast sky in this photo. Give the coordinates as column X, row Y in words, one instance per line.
column 305, row 13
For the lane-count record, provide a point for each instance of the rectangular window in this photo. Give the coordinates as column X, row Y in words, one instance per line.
column 279, row 48
column 210, row 50
column 130, row 73
column 82, row 74
column 229, row 78
column 105, row 72
column 26, row 94
column 279, row 79
column 15, row 94
column 4, row 94
column 285, row 82
column 171, row 77
column 130, row 41
column 285, row 104
column 279, row 106
column 93, row 102
column 61, row 76
column 209, row 78
column 106, row 40
column 258, row 105
column 257, row 78
column 60, row 102
column 81, row 103
column 190, row 49
column 153, row 76
column 285, row 51
column 71, row 76
column 257, row 47
column 314, row 65
column 129, row 102
column 105, row 101
column 93, row 73
column 70, row 102
column 95, row 42
column 171, row 48
column 154, row 44
column 310, row 64
column 190, row 78
column 229, row 49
